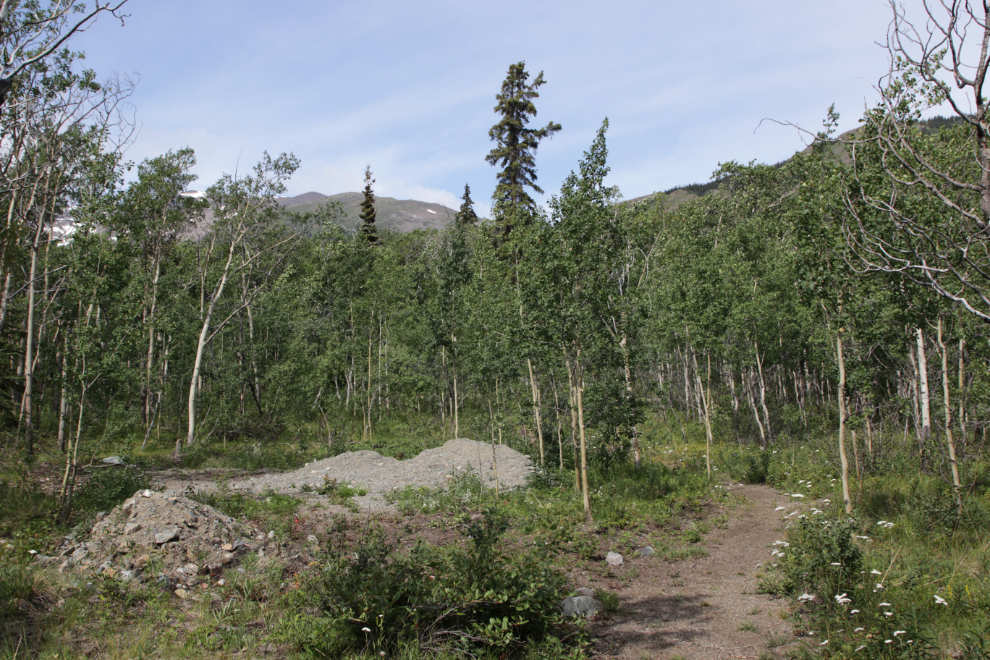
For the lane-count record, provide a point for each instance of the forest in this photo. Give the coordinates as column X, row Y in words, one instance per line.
column 821, row 321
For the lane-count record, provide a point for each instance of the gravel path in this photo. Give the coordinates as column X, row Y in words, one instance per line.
column 433, row 468
column 706, row 608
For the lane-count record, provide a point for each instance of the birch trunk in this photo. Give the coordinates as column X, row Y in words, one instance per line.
column 926, row 413
column 634, row 431
column 705, row 395
column 586, row 495
column 204, row 335
column 536, row 408
column 843, row 459
column 956, row 485
column 763, row 392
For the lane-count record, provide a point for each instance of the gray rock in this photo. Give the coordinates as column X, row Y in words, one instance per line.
column 113, row 460
column 584, row 591
column 585, row 606
column 132, row 527
column 613, row 559
column 166, row 536
column 645, row 551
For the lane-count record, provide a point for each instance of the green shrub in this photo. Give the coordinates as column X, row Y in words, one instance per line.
column 377, row 597
column 822, row 556
column 243, row 456
column 749, row 464
column 108, row 487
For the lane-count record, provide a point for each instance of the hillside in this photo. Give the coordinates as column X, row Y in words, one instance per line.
column 398, row 215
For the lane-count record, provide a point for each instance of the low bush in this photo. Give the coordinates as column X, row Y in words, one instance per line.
column 376, row 597
column 108, row 487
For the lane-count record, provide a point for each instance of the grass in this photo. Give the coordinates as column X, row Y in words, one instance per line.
column 906, row 549
column 270, row 604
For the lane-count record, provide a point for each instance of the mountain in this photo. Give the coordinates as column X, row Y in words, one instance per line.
column 678, row 195
column 398, row 215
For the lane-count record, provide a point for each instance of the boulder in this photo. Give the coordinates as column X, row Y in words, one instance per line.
column 585, row 606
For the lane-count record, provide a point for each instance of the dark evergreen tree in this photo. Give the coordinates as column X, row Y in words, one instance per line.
column 515, row 148
column 367, row 226
column 466, row 215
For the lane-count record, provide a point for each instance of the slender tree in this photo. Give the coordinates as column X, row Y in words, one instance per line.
column 515, row 148
column 466, row 215
column 367, row 227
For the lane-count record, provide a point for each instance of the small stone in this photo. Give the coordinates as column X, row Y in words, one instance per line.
column 261, row 552
column 110, row 572
column 227, row 547
column 145, row 493
column 142, row 561
column 166, row 536
column 613, row 559
column 238, row 544
column 311, row 539
column 130, row 528
column 126, row 575
column 645, row 551
column 271, row 534
column 585, row 606
column 221, row 582
column 181, row 593
column 101, row 515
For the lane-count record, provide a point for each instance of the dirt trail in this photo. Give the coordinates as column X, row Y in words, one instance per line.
column 704, row 608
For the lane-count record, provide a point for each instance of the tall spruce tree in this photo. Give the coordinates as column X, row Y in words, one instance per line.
column 466, row 215
column 367, row 227
column 515, row 148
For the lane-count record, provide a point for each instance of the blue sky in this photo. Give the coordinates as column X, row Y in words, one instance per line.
column 409, row 87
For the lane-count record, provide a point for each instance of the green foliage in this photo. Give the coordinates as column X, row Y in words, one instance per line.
column 515, row 147
column 822, row 555
column 108, row 487
column 243, row 456
column 750, row 464
column 367, row 228
column 377, row 596
column 273, row 511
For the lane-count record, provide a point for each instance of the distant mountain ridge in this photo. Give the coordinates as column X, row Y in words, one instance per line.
column 398, row 215
column 678, row 195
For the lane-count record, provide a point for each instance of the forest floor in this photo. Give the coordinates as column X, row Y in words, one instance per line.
column 704, row 607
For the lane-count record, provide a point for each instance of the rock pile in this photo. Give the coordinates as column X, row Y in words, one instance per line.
column 163, row 535
column 379, row 474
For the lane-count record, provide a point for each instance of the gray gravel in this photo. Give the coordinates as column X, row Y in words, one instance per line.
column 378, row 474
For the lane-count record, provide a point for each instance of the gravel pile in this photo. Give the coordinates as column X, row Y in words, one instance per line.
column 378, row 474
column 181, row 538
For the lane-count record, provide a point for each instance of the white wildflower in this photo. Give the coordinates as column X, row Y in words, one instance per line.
column 899, row 632
column 875, row 572
column 841, row 599
column 940, row 601
column 806, row 597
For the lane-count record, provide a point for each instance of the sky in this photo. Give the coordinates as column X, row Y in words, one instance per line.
column 409, row 87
